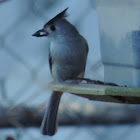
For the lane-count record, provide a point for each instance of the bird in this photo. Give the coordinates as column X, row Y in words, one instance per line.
column 68, row 52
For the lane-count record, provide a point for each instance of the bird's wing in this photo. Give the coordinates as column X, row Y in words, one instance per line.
column 50, row 61
column 81, row 75
column 86, row 45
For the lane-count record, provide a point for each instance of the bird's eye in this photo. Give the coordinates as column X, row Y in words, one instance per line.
column 52, row 28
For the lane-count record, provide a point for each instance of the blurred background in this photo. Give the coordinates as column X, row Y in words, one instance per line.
column 25, row 73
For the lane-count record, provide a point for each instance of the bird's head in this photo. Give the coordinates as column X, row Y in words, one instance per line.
column 57, row 27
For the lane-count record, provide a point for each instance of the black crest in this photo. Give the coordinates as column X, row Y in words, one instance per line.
column 59, row 16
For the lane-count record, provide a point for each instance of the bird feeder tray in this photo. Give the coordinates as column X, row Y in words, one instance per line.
column 126, row 95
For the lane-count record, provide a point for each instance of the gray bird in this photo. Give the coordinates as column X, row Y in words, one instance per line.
column 67, row 58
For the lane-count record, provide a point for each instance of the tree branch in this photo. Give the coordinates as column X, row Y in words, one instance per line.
column 25, row 117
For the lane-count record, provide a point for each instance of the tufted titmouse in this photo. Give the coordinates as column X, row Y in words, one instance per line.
column 67, row 59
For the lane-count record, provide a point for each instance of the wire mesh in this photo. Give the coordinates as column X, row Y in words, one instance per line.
column 24, row 71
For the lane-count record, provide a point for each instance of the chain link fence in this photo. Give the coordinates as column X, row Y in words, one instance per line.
column 24, row 74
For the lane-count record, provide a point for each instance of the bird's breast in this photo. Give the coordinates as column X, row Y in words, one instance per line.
column 68, row 60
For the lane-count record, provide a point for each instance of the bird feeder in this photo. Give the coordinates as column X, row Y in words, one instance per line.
column 119, row 28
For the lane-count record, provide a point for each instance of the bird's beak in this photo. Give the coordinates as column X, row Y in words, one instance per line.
column 40, row 33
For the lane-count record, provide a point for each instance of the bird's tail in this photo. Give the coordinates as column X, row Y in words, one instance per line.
column 49, row 123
